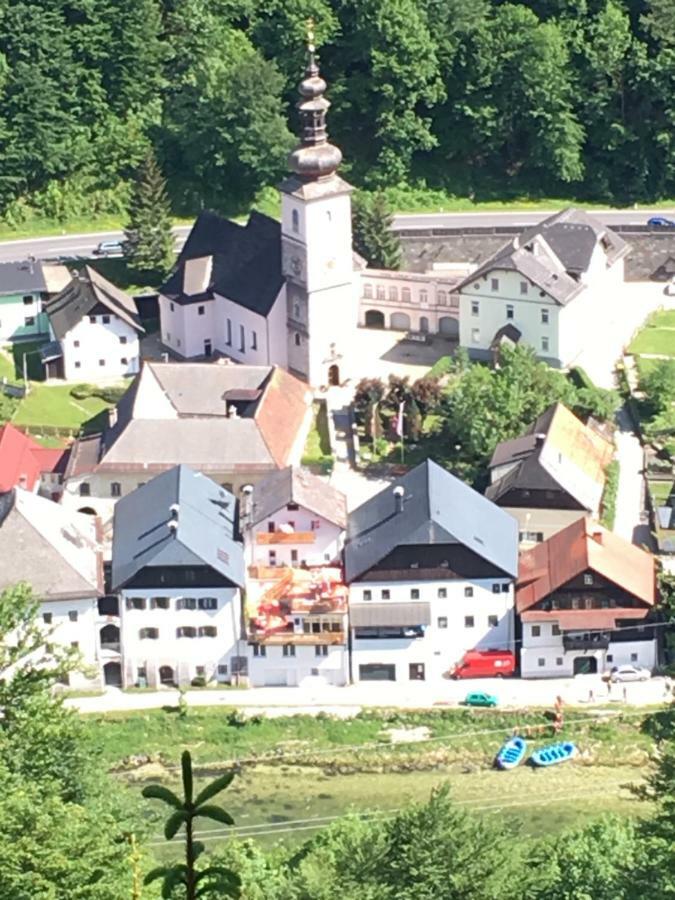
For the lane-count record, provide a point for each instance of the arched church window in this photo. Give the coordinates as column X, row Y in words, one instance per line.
column 296, row 310
column 295, row 219
column 297, row 339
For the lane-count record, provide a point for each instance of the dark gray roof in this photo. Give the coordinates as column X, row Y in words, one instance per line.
column 205, row 530
column 246, row 261
column 438, row 508
column 24, row 276
column 554, row 253
column 294, row 485
column 85, row 291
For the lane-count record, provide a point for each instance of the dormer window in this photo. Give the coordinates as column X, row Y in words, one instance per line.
column 588, row 578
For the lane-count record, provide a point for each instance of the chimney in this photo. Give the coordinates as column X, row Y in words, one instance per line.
column 539, row 440
column 112, row 416
column 246, row 501
column 398, row 493
column 173, row 509
column 172, row 525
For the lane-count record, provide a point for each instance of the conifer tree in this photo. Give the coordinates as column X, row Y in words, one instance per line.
column 149, row 245
column 373, row 237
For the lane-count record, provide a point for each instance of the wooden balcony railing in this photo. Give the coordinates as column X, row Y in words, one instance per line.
column 285, row 537
column 289, row 637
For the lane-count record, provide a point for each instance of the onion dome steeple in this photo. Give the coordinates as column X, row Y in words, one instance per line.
column 314, row 157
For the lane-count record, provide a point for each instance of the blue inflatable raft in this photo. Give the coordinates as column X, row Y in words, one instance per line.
column 553, row 754
column 511, row 754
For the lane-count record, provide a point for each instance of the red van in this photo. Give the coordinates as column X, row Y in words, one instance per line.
column 484, row 663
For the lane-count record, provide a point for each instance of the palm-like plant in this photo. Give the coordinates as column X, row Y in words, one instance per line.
column 197, row 883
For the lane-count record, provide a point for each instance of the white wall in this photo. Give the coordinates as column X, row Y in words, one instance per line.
column 87, row 343
column 492, row 313
column 13, row 314
column 325, row 547
column 558, row 663
column 184, row 330
column 276, row 669
column 441, row 300
column 182, row 654
column 441, row 647
column 83, row 631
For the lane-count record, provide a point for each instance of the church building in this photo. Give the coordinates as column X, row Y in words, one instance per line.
column 269, row 293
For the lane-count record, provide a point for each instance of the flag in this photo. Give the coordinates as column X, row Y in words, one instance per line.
column 398, row 428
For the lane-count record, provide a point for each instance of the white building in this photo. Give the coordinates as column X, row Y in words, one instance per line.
column 25, row 286
column 56, row 552
column 431, row 566
column 555, row 284
column 94, row 329
column 236, row 424
column 293, row 518
column 296, row 621
column 270, row 294
column 179, row 568
column 583, row 597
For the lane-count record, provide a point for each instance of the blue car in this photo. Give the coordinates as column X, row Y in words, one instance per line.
column 660, row 222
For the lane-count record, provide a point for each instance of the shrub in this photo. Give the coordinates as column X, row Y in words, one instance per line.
column 198, row 681
column 609, row 494
column 81, row 391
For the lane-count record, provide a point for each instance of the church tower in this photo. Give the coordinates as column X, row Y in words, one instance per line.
column 316, row 236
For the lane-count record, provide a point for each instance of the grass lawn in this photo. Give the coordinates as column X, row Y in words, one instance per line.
column 53, row 405
column 317, row 447
column 321, row 767
column 6, row 365
column 115, row 269
column 654, row 340
column 665, row 318
column 39, row 225
column 660, row 491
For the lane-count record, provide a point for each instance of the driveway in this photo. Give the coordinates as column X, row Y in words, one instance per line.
column 630, row 496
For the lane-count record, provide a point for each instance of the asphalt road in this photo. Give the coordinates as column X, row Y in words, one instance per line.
column 74, row 245
column 68, row 246
column 489, row 219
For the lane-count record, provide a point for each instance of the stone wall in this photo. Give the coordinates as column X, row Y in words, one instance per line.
column 652, row 255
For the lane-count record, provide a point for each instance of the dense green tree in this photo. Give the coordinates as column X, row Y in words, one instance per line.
column 390, row 80
column 428, row 851
column 149, row 245
column 659, row 385
column 373, row 236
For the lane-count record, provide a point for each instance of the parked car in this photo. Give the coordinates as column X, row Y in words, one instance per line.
column 629, row 673
column 109, row 248
column 478, row 698
column 484, row 663
column 660, row 222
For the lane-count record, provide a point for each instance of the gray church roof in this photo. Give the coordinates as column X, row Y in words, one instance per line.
column 437, row 508
column 180, row 518
column 246, row 261
column 554, row 253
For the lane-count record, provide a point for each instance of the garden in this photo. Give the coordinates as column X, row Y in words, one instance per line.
column 459, row 412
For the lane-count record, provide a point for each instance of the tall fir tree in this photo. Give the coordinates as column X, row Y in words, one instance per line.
column 373, row 235
column 149, row 245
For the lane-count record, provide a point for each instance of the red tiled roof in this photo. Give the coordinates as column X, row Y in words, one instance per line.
column 583, row 546
column 280, row 414
column 22, row 459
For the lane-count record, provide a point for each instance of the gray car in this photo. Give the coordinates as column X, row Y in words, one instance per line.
column 629, row 673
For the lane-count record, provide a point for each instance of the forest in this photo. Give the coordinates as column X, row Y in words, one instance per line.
column 481, row 100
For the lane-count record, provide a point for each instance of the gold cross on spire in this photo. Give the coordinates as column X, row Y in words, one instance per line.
column 310, row 35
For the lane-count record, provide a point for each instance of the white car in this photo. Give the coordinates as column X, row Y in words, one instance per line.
column 629, row 673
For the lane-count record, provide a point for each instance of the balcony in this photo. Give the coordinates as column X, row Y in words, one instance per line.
column 277, row 638
column 585, row 642
column 285, row 537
